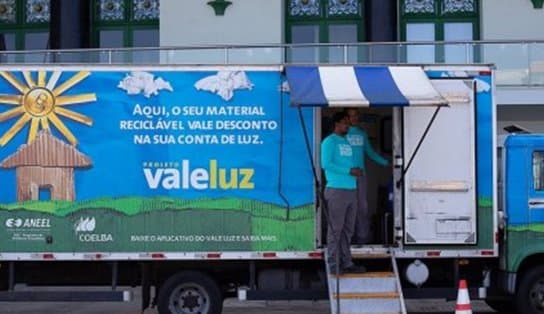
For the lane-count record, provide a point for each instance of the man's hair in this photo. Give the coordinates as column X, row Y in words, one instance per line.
column 355, row 111
column 338, row 117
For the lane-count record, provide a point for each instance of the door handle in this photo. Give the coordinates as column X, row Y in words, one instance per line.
column 536, row 202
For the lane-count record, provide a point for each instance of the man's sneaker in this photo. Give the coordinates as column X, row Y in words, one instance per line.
column 354, row 269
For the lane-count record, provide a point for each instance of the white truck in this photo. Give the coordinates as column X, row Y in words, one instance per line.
column 204, row 182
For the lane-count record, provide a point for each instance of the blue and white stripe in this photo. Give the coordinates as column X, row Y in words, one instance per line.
column 361, row 86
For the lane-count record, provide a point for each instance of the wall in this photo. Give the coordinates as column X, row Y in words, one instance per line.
column 514, row 20
column 529, row 117
column 511, row 19
column 245, row 22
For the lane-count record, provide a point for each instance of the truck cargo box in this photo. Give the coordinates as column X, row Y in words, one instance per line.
column 183, row 162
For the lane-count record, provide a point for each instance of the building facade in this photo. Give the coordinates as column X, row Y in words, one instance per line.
column 506, row 33
column 449, row 26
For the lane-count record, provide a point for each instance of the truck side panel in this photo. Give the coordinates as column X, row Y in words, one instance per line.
column 152, row 160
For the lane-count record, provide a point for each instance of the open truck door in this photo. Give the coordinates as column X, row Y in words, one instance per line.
column 438, row 179
column 363, row 86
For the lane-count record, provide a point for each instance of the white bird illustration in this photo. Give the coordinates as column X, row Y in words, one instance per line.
column 143, row 82
column 224, row 83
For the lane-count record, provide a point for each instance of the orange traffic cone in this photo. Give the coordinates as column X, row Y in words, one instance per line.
column 463, row 301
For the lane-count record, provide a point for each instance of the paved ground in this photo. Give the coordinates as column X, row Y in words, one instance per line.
column 232, row 306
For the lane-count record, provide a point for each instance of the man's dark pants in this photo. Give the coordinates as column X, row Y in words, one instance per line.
column 342, row 206
column 363, row 221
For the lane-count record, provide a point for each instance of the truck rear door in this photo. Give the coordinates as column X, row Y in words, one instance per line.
column 440, row 185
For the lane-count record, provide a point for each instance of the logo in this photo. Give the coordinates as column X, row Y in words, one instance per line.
column 14, row 222
column 30, row 223
column 214, row 177
column 85, row 224
column 345, row 150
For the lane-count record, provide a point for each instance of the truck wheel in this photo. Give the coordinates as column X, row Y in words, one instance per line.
column 190, row 293
column 502, row 306
column 530, row 294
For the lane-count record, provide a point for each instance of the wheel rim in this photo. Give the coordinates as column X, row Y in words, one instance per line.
column 189, row 298
column 536, row 295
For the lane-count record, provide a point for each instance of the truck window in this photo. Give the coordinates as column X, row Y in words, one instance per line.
column 538, row 170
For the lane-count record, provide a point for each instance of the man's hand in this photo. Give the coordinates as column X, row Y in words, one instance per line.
column 356, row 172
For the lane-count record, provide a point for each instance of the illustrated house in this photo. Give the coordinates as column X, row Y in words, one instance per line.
column 46, row 165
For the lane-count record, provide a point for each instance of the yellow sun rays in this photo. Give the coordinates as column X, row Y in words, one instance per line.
column 71, row 82
column 15, row 129
column 13, row 81
column 28, row 78
column 41, row 102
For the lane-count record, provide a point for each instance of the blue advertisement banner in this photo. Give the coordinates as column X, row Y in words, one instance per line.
column 186, row 134
column 137, row 160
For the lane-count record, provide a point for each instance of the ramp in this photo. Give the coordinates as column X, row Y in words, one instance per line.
column 375, row 291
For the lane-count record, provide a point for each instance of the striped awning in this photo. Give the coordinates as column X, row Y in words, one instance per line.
column 361, row 86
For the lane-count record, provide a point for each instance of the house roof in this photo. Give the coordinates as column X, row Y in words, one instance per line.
column 46, row 151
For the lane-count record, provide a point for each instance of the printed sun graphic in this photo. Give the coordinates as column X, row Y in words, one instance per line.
column 41, row 104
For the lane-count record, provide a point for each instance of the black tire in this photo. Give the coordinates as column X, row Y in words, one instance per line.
column 502, row 306
column 530, row 294
column 190, row 292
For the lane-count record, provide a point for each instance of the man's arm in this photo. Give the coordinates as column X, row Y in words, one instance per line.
column 372, row 154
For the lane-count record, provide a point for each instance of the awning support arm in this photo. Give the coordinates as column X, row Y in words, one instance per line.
column 405, row 170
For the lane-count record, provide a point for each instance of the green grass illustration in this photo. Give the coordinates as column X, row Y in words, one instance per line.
column 485, row 202
column 284, row 229
column 529, row 227
column 137, row 205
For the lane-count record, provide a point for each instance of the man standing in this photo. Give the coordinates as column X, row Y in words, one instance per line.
column 340, row 195
column 358, row 139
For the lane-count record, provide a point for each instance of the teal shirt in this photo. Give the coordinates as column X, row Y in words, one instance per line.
column 337, row 161
column 358, row 139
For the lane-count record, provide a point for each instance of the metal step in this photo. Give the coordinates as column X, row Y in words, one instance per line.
column 358, row 304
column 362, row 255
column 366, row 282
column 370, row 252
column 371, row 292
column 367, row 295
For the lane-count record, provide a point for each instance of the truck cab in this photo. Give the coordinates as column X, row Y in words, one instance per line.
column 523, row 255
